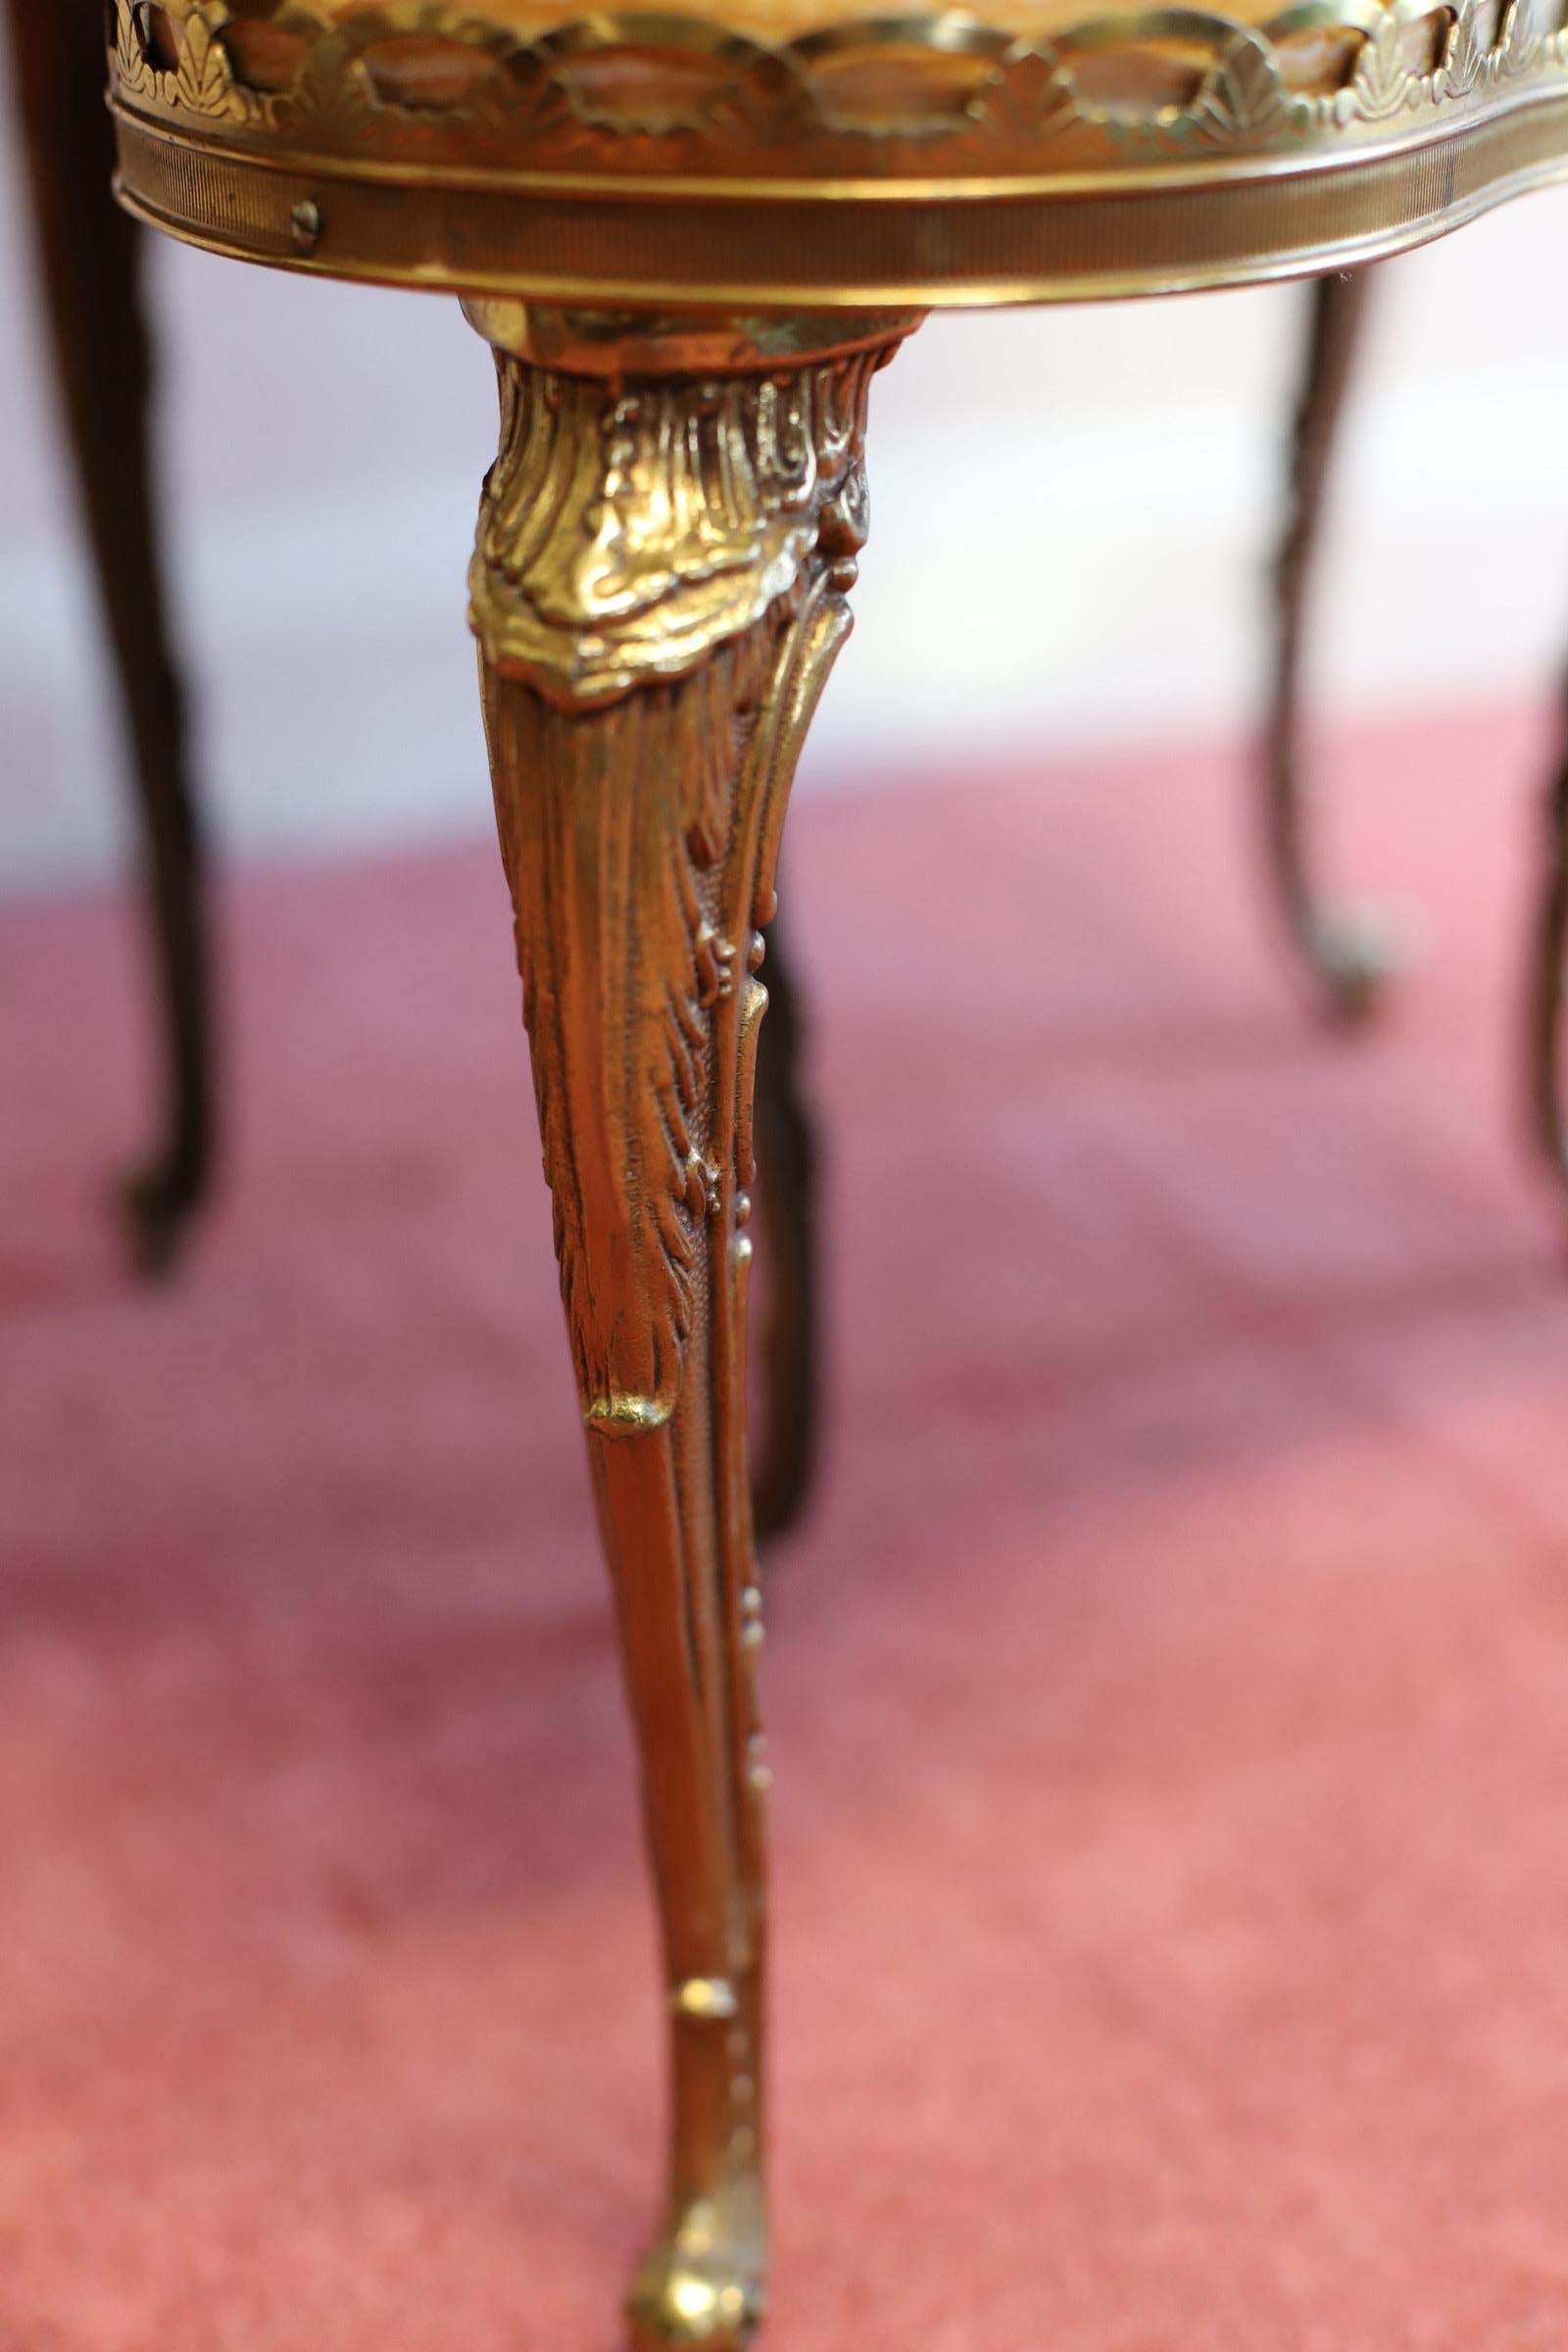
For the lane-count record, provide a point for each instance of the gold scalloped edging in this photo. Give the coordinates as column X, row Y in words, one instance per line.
column 418, row 84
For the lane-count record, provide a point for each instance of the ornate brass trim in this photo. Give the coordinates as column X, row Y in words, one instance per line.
column 931, row 98
column 884, row 165
column 622, row 542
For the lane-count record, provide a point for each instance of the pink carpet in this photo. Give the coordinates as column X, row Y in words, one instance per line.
column 1169, row 1698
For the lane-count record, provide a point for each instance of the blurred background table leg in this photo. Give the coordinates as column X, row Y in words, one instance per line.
column 1550, row 954
column 1343, row 950
column 787, row 1199
column 89, row 256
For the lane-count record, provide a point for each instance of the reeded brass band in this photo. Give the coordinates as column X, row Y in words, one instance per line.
column 811, row 247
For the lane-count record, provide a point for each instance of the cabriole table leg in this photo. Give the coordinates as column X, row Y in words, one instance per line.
column 1346, row 951
column 784, row 1463
column 659, row 592
column 89, row 256
column 1548, row 978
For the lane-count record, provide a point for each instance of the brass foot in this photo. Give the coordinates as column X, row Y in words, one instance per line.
column 703, row 2282
column 1355, row 952
column 157, row 1204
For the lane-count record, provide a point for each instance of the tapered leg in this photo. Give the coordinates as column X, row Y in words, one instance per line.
column 89, row 256
column 1346, row 951
column 787, row 1200
column 1548, row 979
column 658, row 593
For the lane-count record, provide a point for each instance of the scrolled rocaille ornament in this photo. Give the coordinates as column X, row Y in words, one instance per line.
column 625, row 536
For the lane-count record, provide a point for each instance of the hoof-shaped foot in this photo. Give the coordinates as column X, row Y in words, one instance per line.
column 157, row 1203
column 1552, row 1123
column 1357, row 951
column 703, row 2284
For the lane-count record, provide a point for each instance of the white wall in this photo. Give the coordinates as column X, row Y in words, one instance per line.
column 1071, row 513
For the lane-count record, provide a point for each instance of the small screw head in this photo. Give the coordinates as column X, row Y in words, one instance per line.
column 305, row 225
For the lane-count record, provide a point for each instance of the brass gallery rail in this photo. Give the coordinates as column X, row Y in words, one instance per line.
column 913, row 162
